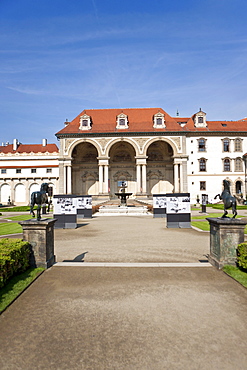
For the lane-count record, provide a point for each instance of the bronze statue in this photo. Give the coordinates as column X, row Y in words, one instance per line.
column 228, row 200
column 39, row 198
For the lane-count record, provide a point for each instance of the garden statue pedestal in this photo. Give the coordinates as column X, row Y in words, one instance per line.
column 225, row 235
column 40, row 235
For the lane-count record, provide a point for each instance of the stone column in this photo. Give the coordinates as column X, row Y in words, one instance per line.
column 138, row 178
column 40, row 235
column 65, row 178
column 12, row 190
column 61, row 189
column 144, row 178
column 225, row 235
column 69, row 179
column 106, row 176
column 176, row 183
column 181, row 178
column 27, row 191
column 184, row 180
column 100, row 179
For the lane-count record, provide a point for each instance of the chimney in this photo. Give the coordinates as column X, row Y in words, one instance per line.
column 15, row 144
column 44, row 142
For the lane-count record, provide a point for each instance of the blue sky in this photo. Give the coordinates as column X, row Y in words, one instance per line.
column 58, row 57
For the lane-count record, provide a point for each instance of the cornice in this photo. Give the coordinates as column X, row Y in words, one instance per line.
column 166, row 133
column 120, row 134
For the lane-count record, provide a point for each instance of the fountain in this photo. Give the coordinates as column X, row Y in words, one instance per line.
column 123, row 196
column 122, row 209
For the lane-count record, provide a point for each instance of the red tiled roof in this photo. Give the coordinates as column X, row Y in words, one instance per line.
column 141, row 120
column 29, row 148
column 104, row 120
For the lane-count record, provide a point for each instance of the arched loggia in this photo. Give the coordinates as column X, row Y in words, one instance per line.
column 160, row 174
column 85, row 169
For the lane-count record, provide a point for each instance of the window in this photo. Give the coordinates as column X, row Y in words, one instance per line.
column 202, row 164
column 122, row 121
column 227, row 165
column 159, row 120
column 200, row 119
column 238, row 145
column 3, row 170
column 226, row 145
column 18, row 170
column 49, row 170
column 33, row 170
column 202, row 185
column 238, row 165
column 202, row 145
column 85, row 122
column 238, row 187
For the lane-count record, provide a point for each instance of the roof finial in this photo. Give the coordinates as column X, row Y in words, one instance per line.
column 177, row 114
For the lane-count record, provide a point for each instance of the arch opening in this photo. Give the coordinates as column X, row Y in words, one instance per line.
column 84, row 169
column 122, row 167
column 160, row 177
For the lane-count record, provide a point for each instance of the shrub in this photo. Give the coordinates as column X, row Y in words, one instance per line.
column 14, row 258
column 242, row 255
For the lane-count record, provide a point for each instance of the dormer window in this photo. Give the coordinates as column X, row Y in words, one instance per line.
column 200, row 119
column 122, row 121
column 85, row 122
column 159, row 120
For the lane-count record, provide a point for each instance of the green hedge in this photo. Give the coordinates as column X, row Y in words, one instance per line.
column 14, row 258
column 242, row 255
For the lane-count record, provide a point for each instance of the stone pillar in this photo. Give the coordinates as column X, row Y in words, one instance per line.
column 176, row 183
column 12, row 191
column 106, row 179
column 100, row 179
column 181, row 178
column 40, row 235
column 138, row 178
column 65, row 178
column 27, row 191
column 225, row 235
column 69, row 180
column 144, row 178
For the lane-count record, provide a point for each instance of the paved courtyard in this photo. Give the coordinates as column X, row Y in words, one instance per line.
column 130, row 318
column 129, row 239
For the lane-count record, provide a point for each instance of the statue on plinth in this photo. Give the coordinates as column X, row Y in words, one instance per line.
column 228, row 200
column 39, row 198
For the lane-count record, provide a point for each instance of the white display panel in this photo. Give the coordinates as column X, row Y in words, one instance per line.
column 159, row 202
column 67, row 206
column 84, row 202
column 177, row 205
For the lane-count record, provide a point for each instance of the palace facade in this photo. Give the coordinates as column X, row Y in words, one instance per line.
column 24, row 167
column 150, row 150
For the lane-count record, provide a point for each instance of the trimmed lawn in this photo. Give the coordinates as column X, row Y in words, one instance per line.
column 236, row 274
column 16, row 209
column 203, row 225
column 7, row 228
column 20, row 218
column 17, row 285
column 204, row 216
column 10, row 228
